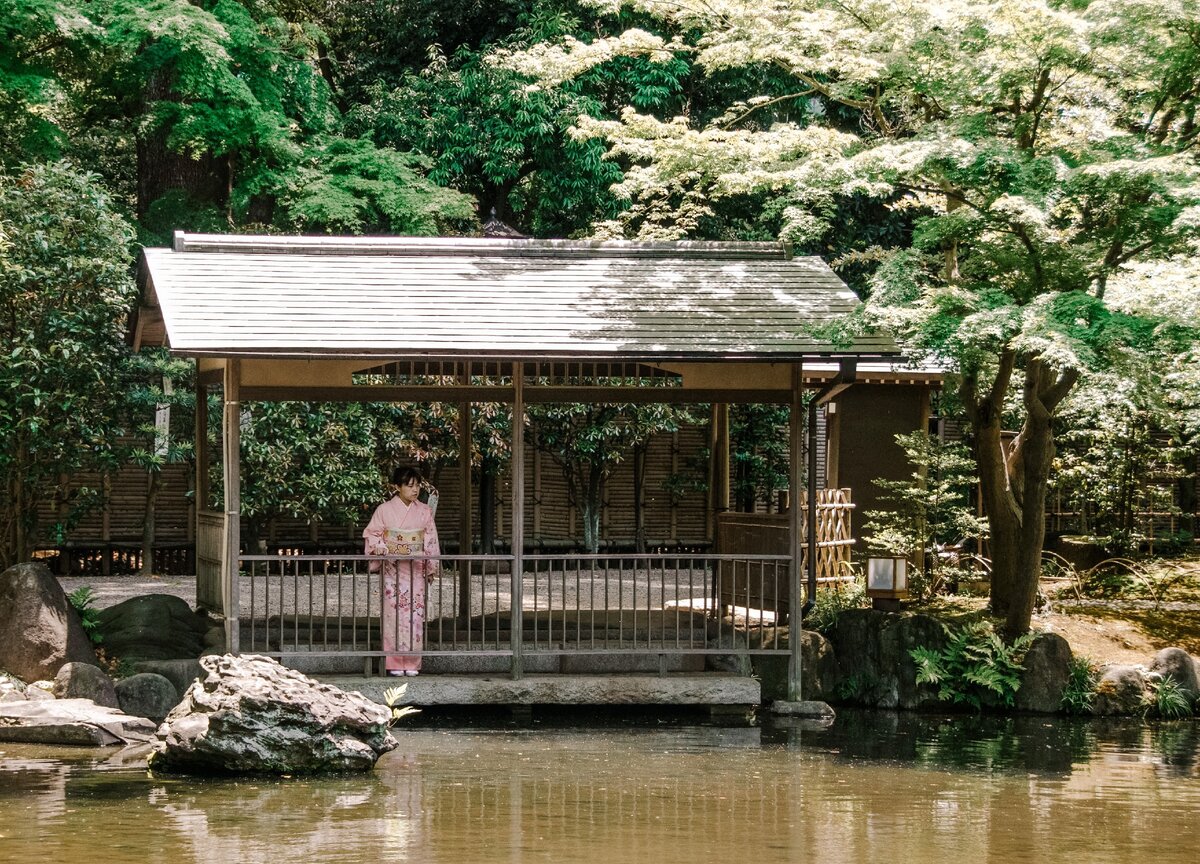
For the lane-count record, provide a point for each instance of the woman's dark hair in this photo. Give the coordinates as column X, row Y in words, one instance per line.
column 404, row 475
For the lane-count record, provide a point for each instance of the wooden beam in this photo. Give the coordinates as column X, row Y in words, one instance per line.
column 231, row 428
column 533, row 395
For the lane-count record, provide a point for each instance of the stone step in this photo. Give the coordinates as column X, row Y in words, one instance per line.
column 708, row 688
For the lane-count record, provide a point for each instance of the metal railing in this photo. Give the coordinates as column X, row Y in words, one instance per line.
column 652, row 604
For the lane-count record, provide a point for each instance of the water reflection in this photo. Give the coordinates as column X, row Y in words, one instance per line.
column 873, row 786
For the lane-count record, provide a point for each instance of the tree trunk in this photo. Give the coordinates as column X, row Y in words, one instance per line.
column 639, row 499
column 1014, row 485
column 591, row 504
column 153, row 484
column 487, row 508
column 203, row 179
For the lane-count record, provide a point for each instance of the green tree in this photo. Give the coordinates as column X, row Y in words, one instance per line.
column 310, row 462
column 759, row 453
column 1040, row 149
column 350, row 186
column 65, row 292
column 589, row 441
column 927, row 511
column 160, row 402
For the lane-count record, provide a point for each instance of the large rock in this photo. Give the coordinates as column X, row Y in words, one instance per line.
column 819, row 670
column 39, row 631
column 250, row 715
column 1178, row 665
column 83, row 681
column 152, row 627
column 872, row 649
column 70, row 721
column 180, row 673
column 147, row 695
column 1120, row 690
column 1047, row 669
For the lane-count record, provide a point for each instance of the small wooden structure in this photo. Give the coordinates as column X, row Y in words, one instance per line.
column 483, row 320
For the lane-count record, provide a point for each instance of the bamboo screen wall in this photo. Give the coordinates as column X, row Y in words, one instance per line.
column 550, row 518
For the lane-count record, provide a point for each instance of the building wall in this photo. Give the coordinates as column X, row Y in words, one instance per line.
column 871, row 415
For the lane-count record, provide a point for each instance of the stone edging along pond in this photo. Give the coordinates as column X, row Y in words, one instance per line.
column 912, row 661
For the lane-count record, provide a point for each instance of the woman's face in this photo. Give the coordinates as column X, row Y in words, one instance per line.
column 409, row 491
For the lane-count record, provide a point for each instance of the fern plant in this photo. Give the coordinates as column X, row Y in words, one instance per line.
column 976, row 664
column 81, row 600
column 391, row 696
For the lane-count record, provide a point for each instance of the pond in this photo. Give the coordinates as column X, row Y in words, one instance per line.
column 874, row 787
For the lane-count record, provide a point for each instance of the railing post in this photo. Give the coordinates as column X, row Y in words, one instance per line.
column 517, row 519
column 464, row 487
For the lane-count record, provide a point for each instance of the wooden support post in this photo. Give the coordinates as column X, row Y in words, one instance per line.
column 795, row 523
column 718, row 470
column 465, row 528
column 833, row 444
column 918, row 554
column 517, row 519
column 200, row 436
column 231, row 438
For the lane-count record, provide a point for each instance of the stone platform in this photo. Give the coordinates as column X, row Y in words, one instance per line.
column 709, row 688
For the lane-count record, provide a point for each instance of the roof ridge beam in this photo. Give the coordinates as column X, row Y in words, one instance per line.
column 265, row 244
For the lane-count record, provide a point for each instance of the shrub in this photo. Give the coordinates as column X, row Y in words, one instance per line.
column 830, row 604
column 1080, row 691
column 1165, row 698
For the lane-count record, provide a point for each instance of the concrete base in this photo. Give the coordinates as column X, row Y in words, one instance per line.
column 803, row 709
column 472, row 663
column 712, row 688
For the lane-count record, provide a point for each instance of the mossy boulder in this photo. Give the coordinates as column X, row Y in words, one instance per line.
column 152, row 627
column 872, row 650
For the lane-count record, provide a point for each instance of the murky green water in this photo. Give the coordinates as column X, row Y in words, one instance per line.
column 875, row 787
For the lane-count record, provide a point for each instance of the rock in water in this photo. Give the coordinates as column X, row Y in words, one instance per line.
column 70, row 721
column 250, row 715
column 1045, row 674
column 147, row 695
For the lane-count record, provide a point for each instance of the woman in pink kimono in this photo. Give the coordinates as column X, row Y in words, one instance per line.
column 402, row 525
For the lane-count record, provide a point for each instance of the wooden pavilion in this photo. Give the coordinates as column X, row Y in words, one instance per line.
column 467, row 320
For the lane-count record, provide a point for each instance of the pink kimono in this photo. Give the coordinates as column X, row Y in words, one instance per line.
column 403, row 623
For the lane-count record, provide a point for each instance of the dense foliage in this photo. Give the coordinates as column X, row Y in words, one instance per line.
column 1042, row 155
column 1013, row 186
column 65, row 290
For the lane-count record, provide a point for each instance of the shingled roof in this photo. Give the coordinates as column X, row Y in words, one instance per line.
column 236, row 295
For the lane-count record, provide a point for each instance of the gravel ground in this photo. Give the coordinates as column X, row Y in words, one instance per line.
column 626, row 589
column 114, row 589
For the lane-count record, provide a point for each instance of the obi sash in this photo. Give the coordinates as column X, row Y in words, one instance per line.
column 405, row 541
